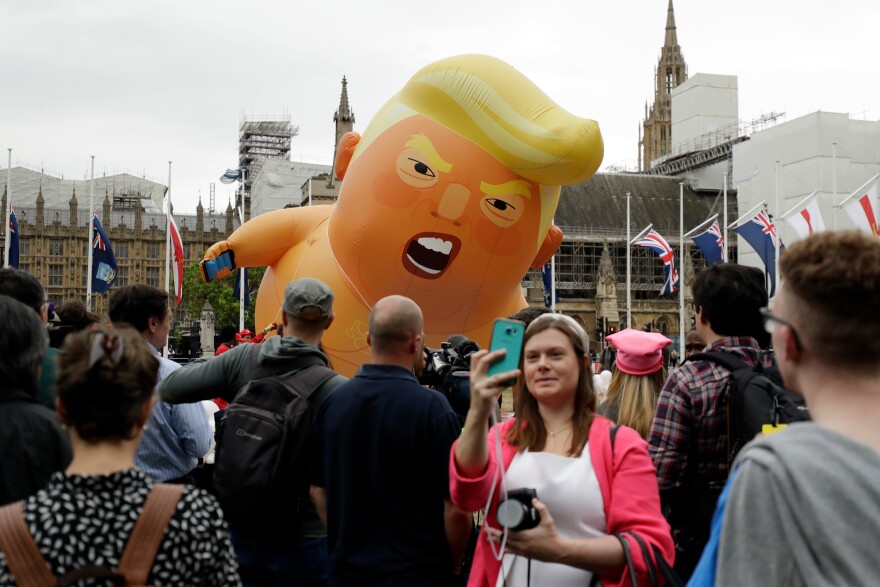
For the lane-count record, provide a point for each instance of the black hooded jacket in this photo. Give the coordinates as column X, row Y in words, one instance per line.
column 33, row 445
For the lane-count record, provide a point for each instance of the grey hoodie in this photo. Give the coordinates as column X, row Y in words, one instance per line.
column 223, row 375
column 804, row 510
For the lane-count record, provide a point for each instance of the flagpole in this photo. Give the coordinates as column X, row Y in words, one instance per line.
column 628, row 264
column 796, row 206
column 749, row 213
column 8, row 209
column 90, row 246
column 168, row 236
column 629, row 243
column 681, row 265
column 776, row 227
column 552, row 277
column 724, row 228
column 701, row 225
column 834, row 186
column 241, row 272
column 856, row 192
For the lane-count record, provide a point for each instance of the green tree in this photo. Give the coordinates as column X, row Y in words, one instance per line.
column 220, row 294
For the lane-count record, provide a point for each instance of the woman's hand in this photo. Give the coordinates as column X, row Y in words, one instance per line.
column 541, row 543
column 485, row 388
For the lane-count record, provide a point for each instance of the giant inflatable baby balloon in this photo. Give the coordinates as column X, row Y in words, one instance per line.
column 447, row 198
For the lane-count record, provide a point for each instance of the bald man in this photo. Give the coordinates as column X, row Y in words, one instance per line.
column 380, row 477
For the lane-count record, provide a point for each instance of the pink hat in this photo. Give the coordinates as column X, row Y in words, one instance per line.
column 638, row 352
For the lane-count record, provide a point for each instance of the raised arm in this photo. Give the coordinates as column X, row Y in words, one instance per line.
column 262, row 240
column 471, row 452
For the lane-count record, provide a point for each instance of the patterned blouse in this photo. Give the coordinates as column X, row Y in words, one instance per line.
column 79, row 520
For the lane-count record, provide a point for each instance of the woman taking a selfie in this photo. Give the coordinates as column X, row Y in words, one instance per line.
column 82, row 523
column 596, row 488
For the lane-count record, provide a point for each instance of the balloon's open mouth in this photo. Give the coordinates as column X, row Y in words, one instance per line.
column 429, row 254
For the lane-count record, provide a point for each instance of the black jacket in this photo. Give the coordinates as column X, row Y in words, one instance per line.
column 33, row 445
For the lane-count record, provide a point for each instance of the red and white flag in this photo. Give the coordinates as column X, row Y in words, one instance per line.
column 864, row 208
column 177, row 257
column 808, row 220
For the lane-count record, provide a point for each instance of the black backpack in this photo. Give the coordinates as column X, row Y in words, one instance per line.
column 261, row 461
column 755, row 396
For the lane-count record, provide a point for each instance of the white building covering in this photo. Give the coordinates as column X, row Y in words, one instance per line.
column 279, row 183
column 705, row 114
column 808, row 160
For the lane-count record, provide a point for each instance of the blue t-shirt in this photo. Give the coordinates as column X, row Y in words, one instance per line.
column 382, row 445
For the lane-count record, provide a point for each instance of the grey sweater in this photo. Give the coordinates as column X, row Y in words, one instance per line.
column 804, row 510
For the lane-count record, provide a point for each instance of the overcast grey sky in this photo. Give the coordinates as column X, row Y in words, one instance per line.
column 139, row 83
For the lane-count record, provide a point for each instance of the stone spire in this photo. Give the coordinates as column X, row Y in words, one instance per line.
column 344, row 113
column 41, row 205
column 606, row 289
column 229, row 226
column 74, row 205
column 106, row 218
column 344, row 119
column 656, row 139
column 200, row 217
column 671, row 37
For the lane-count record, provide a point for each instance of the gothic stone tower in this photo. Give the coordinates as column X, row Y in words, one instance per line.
column 344, row 119
column 671, row 70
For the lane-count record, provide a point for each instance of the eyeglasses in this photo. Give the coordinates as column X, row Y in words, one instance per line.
column 769, row 319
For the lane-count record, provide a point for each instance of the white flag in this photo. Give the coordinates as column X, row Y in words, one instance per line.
column 808, row 221
column 864, row 209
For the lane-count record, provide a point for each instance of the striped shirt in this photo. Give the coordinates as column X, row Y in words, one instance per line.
column 688, row 411
column 176, row 436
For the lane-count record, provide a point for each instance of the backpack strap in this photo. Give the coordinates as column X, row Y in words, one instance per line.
column 309, row 380
column 25, row 562
column 143, row 544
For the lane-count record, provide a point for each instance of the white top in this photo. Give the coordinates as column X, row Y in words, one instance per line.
column 570, row 489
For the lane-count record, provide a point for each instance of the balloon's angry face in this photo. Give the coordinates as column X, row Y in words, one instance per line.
column 437, row 208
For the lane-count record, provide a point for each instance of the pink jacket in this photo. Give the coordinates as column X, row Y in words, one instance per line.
column 627, row 480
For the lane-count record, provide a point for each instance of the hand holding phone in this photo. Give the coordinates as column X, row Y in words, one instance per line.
column 507, row 334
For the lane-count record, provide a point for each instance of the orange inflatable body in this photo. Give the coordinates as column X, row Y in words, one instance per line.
column 446, row 200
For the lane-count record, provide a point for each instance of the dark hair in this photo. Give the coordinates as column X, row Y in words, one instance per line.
column 534, row 434
column 833, row 282
column 526, row 315
column 76, row 314
column 104, row 401
column 136, row 304
column 22, row 286
column 731, row 297
column 24, row 342
column 227, row 333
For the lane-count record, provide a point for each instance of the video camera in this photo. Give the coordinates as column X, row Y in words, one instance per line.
column 447, row 370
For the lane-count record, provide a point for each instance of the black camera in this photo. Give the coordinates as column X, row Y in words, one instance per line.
column 517, row 512
column 447, row 370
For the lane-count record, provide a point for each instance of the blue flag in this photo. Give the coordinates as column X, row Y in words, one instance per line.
column 546, row 276
column 103, row 260
column 13, row 239
column 760, row 232
column 237, row 291
column 711, row 244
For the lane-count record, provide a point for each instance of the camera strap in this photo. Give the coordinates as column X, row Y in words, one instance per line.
column 499, row 474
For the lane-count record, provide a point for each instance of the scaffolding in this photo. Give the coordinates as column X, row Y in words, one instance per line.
column 261, row 138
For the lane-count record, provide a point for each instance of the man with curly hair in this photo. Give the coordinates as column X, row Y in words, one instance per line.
column 802, row 506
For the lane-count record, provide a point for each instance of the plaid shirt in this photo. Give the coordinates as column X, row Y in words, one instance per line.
column 688, row 411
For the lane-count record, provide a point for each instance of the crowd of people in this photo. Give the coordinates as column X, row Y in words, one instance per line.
column 374, row 481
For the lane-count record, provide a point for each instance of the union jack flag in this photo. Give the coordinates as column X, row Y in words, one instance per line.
column 658, row 244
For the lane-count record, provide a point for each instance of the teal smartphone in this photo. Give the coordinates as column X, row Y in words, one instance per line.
column 507, row 334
